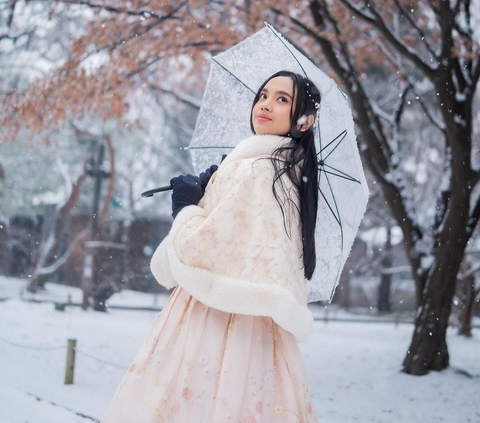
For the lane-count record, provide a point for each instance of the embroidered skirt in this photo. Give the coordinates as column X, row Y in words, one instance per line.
column 201, row 365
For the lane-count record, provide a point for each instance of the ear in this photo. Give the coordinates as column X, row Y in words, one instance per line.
column 308, row 123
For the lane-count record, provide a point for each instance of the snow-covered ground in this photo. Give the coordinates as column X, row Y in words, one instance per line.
column 353, row 369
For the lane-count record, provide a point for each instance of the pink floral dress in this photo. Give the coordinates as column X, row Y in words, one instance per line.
column 201, row 365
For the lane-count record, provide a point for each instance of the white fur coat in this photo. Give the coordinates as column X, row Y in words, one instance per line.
column 231, row 251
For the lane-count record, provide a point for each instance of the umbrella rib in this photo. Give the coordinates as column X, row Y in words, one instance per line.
column 241, row 82
column 328, row 204
column 333, row 196
column 346, row 175
column 207, row 146
column 338, row 143
column 276, row 35
column 340, row 223
column 340, row 134
column 340, row 176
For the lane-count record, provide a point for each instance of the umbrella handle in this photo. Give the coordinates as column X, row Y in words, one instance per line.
column 150, row 192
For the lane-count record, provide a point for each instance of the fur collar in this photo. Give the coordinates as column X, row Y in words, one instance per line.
column 255, row 146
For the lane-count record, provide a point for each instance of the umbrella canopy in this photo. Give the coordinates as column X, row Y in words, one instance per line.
column 224, row 120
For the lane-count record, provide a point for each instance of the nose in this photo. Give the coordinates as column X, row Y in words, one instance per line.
column 265, row 107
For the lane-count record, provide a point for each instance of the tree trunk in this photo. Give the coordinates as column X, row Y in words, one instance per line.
column 469, row 301
column 428, row 349
column 52, row 227
column 46, row 246
column 101, row 293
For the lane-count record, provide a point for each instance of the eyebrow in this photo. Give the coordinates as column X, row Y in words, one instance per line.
column 278, row 92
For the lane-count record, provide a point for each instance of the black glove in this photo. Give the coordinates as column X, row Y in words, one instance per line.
column 205, row 176
column 187, row 190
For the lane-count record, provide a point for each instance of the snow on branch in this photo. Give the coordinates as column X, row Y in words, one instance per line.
column 123, row 9
column 474, row 269
column 424, row 107
column 183, row 97
column 413, row 87
column 416, row 27
column 382, row 113
column 48, row 270
column 67, row 178
column 475, row 78
column 375, row 19
column 474, row 213
column 396, row 178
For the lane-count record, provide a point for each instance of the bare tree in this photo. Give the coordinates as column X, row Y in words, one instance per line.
column 454, row 76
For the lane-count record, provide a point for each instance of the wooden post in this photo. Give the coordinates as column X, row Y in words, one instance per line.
column 397, row 318
column 72, row 344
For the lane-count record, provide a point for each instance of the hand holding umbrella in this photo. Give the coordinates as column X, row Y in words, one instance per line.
column 187, row 190
column 204, row 178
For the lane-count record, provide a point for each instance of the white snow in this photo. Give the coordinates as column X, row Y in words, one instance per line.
column 378, row 236
column 427, row 261
column 302, row 119
column 352, row 369
column 460, row 97
column 459, row 120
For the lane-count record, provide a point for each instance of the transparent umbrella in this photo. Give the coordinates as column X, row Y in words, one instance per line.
column 224, row 120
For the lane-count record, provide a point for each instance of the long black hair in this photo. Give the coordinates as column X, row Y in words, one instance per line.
column 301, row 147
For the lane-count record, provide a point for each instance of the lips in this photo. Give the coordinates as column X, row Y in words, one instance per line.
column 263, row 118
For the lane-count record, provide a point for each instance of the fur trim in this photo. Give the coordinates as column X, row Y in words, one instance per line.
column 229, row 294
column 255, row 146
column 160, row 266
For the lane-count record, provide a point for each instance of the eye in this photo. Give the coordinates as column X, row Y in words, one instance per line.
column 263, row 95
column 284, row 99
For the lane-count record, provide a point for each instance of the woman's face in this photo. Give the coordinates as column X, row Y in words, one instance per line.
column 271, row 113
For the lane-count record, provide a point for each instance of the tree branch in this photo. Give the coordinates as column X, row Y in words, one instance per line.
column 416, row 27
column 474, row 217
column 14, row 38
column 184, row 98
column 475, row 78
column 476, row 177
column 399, row 111
column 418, row 97
column 377, row 21
column 124, row 10
column 462, row 81
column 382, row 113
column 445, row 20
column 462, row 276
column 439, row 125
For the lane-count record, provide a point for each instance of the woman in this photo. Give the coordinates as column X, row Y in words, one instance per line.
column 239, row 255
